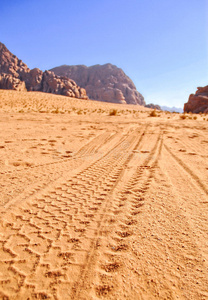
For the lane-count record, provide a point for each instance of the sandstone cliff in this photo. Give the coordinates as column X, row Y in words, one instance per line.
column 198, row 102
column 14, row 74
column 103, row 82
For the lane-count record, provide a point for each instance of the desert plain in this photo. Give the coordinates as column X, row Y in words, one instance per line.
column 101, row 200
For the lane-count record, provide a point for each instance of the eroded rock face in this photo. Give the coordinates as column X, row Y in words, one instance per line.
column 198, row 102
column 103, row 82
column 9, row 82
column 16, row 75
column 10, row 64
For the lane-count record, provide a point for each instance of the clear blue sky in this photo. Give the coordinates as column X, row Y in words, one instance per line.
column 162, row 45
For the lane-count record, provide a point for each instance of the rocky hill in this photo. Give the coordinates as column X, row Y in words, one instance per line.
column 198, row 102
column 103, row 82
column 14, row 74
column 153, row 106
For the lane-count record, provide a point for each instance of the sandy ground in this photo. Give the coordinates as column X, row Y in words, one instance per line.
column 94, row 206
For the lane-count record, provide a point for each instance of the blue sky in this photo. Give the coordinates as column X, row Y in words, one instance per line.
column 162, row 45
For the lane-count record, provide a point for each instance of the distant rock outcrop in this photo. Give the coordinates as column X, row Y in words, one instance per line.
column 198, row 102
column 14, row 74
column 103, row 82
column 154, row 106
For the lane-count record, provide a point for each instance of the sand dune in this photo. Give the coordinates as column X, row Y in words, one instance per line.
column 95, row 206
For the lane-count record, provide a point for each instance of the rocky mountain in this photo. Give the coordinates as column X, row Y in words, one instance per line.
column 198, row 102
column 103, row 82
column 14, row 74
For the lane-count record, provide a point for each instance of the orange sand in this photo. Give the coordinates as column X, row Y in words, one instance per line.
column 101, row 207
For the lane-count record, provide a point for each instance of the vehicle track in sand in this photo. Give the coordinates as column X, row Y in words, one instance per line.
column 187, row 184
column 191, row 149
column 57, row 224
column 174, row 252
column 26, row 181
column 128, row 220
column 188, row 170
column 99, row 277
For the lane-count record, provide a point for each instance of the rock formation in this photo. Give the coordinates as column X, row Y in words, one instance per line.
column 153, row 106
column 103, row 82
column 14, row 74
column 9, row 82
column 198, row 102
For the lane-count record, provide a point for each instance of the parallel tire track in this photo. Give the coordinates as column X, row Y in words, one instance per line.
column 127, row 204
column 187, row 169
column 49, row 174
column 56, row 224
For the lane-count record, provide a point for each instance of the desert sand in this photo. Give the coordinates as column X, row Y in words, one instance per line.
column 96, row 204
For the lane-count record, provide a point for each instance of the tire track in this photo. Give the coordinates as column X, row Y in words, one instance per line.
column 128, row 204
column 187, row 169
column 192, row 199
column 51, row 172
column 177, row 242
column 192, row 142
column 56, row 224
column 84, row 151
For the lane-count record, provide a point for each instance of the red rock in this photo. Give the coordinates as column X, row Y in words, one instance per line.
column 9, row 82
column 153, row 106
column 198, row 102
column 103, row 82
column 10, row 64
column 19, row 76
